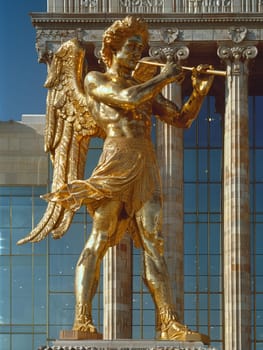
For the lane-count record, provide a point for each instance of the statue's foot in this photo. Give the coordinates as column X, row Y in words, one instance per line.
column 83, row 319
column 84, row 327
column 174, row 330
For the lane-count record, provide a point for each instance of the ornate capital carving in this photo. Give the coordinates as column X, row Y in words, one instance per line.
column 237, row 53
column 175, row 53
column 48, row 41
column 150, row 4
column 237, row 34
column 169, row 35
column 237, row 57
column 97, row 52
column 90, row 3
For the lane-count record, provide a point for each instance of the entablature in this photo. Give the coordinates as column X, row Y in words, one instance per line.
column 201, row 34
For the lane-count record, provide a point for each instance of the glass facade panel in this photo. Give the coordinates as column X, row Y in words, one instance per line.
column 202, row 227
column 256, row 210
column 37, row 280
column 5, row 290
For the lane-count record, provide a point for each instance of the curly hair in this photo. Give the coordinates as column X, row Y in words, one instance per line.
column 115, row 36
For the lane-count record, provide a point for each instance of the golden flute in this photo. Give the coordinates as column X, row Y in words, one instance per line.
column 207, row 71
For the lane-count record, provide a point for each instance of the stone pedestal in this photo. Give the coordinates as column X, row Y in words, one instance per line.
column 126, row 344
column 78, row 335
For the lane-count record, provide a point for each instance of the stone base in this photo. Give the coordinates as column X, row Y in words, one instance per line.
column 78, row 335
column 127, row 344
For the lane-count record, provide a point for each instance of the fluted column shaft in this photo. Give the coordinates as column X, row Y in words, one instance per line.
column 117, row 296
column 170, row 158
column 236, row 199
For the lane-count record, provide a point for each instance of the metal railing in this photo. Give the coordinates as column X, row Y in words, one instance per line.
column 155, row 6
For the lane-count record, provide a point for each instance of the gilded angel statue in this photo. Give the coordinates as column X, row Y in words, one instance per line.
column 123, row 194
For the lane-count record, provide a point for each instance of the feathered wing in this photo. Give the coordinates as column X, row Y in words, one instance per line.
column 69, row 127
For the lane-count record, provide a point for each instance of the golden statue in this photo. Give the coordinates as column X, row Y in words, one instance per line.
column 123, row 193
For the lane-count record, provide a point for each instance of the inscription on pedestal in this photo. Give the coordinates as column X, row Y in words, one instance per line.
column 128, row 344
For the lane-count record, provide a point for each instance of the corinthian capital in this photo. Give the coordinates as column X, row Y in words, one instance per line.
column 237, row 53
column 175, row 53
column 237, row 57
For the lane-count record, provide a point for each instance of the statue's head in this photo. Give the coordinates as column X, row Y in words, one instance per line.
column 116, row 35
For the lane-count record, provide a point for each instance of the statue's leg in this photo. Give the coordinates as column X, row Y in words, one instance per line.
column 88, row 266
column 149, row 221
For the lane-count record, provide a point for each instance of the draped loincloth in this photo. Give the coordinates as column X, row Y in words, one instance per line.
column 127, row 171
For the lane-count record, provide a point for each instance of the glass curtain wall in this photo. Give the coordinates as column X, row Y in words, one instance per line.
column 202, row 223
column 256, row 215
column 23, row 270
column 37, row 280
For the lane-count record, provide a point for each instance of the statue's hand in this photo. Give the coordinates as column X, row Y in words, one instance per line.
column 173, row 72
column 201, row 81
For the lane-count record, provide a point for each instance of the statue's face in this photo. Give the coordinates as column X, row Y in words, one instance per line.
column 130, row 52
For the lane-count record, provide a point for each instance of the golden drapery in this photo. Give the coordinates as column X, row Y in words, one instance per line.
column 127, row 171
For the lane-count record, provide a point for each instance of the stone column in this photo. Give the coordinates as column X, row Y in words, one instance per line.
column 117, row 297
column 236, row 199
column 170, row 158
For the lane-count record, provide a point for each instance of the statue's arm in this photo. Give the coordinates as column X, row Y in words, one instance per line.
column 103, row 88
column 168, row 112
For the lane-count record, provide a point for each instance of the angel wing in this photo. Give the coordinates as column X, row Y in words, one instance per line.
column 69, row 127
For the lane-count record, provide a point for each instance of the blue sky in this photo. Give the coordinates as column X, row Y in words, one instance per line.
column 22, row 77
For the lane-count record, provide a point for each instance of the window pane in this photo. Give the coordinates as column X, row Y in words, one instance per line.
column 215, row 197
column 148, row 332
column 190, row 301
column 203, row 126
column 22, row 212
column 202, row 238
column 189, row 238
column 62, row 264
column 4, row 241
column 190, row 136
column 215, row 264
column 190, row 283
column 214, row 238
column 40, row 289
column 22, row 289
column 190, row 165
column 5, row 291
column 149, row 317
column 5, row 213
column 259, row 165
column 5, row 341
column 190, row 197
column 71, row 243
column 61, row 308
column 202, row 197
column 202, row 165
column 21, row 341
column 259, row 197
column 190, row 264
column 216, row 130
column 259, row 123
column 215, row 165
column 203, row 265
column 259, row 238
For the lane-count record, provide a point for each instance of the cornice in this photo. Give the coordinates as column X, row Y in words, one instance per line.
column 100, row 19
